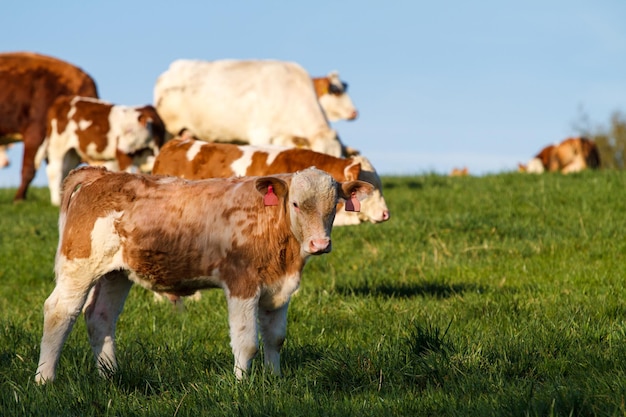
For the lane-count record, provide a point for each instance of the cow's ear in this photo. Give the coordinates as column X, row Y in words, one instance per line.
column 272, row 189
column 352, row 172
column 353, row 192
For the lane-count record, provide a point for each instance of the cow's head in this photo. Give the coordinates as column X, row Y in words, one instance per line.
column 332, row 94
column 374, row 208
column 310, row 199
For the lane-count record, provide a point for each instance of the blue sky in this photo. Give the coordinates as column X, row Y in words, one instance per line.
column 482, row 84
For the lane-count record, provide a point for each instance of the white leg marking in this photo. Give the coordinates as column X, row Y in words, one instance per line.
column 242, row 315
column 60, row 312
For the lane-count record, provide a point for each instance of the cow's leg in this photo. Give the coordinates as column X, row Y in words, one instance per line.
column 33, row 137
column 273, row 325
column 60, row 312
column 103, row 307
column 242, row 314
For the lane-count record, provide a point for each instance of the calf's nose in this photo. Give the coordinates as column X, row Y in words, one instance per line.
column 320, row 245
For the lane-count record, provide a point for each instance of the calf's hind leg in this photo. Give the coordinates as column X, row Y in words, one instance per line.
column 60, row 312
column 103, row 307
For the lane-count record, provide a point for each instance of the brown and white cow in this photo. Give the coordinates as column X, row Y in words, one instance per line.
column 574, row 155
column 571, row 155
column 194, row 159
column 247, row 102
column 95, row 132
column 250, row 236
column 29, row 83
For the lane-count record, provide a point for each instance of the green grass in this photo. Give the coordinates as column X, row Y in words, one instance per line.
column 501, row 295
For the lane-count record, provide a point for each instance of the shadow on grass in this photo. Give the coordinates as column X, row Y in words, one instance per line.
column 419, row 359
column 423, row 289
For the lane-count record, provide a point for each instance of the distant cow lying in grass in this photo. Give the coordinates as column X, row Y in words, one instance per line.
column 194, row 159
column 571, row 155
column 459, row 172
column 249, row 236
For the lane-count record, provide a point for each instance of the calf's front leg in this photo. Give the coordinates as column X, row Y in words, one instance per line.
column 242, row 314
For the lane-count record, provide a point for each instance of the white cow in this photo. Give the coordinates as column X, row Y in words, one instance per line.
column 257, row 102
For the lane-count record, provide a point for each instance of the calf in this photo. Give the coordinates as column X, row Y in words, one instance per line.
column 194, row 159
column 91, row 131
column 249, row 236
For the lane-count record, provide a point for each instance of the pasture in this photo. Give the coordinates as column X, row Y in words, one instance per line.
column 494, row 296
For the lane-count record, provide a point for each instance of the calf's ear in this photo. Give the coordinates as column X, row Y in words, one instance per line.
column 353, row 192
column 272, row 189
column 353, row 171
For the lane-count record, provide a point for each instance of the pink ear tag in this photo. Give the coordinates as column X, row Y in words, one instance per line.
column 270, row 199
column 353, row 204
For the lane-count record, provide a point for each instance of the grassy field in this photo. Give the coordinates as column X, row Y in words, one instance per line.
column 494, row 296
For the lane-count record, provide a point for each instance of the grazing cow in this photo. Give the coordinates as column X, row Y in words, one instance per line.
column 332, row 94
column 571, row 155
column 194, row 159
column 250, row 236
column 250, row 102
column 92, row 131
column 29, row 83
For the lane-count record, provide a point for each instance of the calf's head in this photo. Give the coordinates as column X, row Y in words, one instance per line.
column 310, row 200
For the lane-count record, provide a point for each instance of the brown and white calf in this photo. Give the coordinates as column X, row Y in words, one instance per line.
column 250, row 236
column 95, row 132
column 194, row 159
